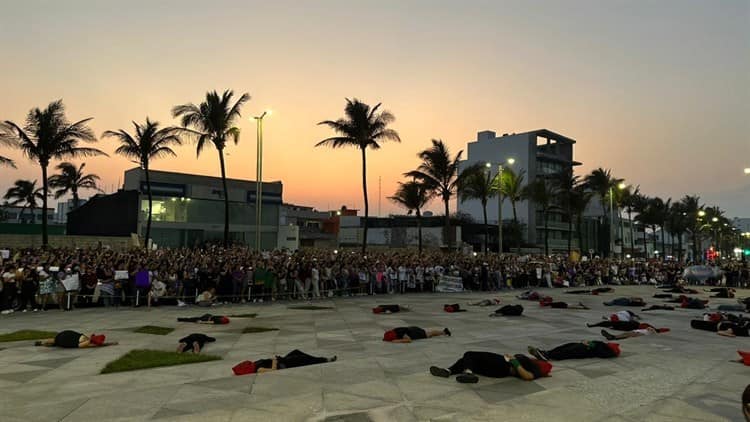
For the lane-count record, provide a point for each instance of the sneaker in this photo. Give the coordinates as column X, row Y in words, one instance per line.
column 607, row 335
column 35, row 310
column 467, row 379
column 537, row 353
column 24, row 310
column 440, row 372
column 260, row 300
column 5, row 312
column 447, row 331
column 181, row 303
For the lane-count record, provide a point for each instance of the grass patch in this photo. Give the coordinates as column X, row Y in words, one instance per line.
column 143, row 359
column 153, row 329
column 249, row 330
column 22, row 335
column 243, row 315
column 311, row 307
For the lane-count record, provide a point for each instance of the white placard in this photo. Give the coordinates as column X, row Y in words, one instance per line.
column 121, row 275
column 71, row 283
column 5, row 253
column 449, row 284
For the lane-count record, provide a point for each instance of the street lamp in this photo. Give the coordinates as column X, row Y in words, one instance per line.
column 259, row 177
column 747, row 170
column 510, row 161
column 701, row 213
column 620, row 186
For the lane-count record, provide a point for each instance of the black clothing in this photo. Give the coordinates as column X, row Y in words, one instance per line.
column 663, row 295
column 510, row 310
column 67, row 339
column 558, row 305
column 192, row 339
column 414, row 333
column 482, row 363
column 592, row 349
column 618, row 325
column 293, row 359
column 740, row 330
column 28, row 295
column 659, row 307
column 205, row 317
column 389, row 308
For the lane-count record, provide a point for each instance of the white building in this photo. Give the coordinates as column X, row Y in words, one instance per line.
column 64, row 207
column 19, row 214
column 540, row 153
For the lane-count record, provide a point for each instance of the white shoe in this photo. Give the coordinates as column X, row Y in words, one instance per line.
column 181, row 303
column 5, row 312
column 260, row 300
column 24, row 310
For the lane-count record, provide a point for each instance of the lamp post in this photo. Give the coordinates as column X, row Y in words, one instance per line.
column 620, row 186
column 259, row 178
column 510, row 161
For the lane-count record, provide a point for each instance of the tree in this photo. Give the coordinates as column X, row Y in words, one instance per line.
column 566, row 183
column 71, row 179
column 644, row 217
column 660, row 211
column 542, row 193
column 413, row 196
column 439, row 172
column 24, row 192
column 46, row 136
column 362, row 127
column 577, row 202
column 6, row 141
column 475, row 183
column 629, row 199
column 692, row 207
column 212, row 121
column 148, row 142
column 678, row 224
column 601, row 182
column 511, row 187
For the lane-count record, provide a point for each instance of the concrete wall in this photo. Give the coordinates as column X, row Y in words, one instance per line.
column 15, row 241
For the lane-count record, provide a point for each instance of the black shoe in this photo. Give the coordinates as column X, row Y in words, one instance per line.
column 607, row 335
column 333, row 359
column 537, row 353
column 447, row 331
column 467, row 379
column 440, row 372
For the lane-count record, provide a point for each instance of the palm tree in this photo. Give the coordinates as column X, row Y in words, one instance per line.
column 542, row 193
column 603, row 184
column 71, row 179
column 660, row 210
column 566, row 183
column 439, row 172
column 24, row 192
column 678, row 224
column 413, row 196
column 630, row 197
column 644, row 217
column 148, row 142
column 213, row 121
column 511, row 187
column 46, row 136
column 363, row 127
column 475, row 183
column 577, row 202
column 692, row 207
column 6, row 141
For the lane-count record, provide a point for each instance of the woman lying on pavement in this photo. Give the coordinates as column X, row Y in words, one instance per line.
column 580, row 350
column 194, row 342
column 626, row 301
column 206, row 319
column 293, row 359
column 738, row 328
column 548, row 301
column 591, row 292
column 69, row 339
column 408, row 334
column 493, row 365
column 634, row 333
column 389, row 309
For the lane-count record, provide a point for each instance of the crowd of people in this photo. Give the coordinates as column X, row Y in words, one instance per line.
column 37, row 279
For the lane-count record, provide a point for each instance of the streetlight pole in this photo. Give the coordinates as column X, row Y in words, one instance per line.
column 500, row 204
column 259, row 179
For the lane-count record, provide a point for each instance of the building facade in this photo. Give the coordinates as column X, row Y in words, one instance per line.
column 64, row 207
column 540, row 154
column 24, row 215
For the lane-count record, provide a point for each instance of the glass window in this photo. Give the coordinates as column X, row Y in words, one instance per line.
column 187, row 210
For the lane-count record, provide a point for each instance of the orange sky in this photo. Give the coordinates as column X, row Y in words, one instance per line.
column 657, row 91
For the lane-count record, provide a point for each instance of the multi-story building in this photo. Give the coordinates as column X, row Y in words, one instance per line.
column 24, row 215
column 64, row 207
column 539, row 154
column 187, row 210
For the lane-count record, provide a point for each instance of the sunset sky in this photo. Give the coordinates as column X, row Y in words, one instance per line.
column 658, row 91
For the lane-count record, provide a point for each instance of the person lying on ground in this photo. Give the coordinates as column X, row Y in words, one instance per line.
column 548, row 301
column 207, row 298
column 596, row 291
column 529, row 295
column 634, row 333
column 682, row 290
column 389, row 309
column 723, row 292
column 493, row 365
column 622, row 325
column 455, row 307
column 663, row 296
column 508, row 310
column 70, row 339
column 408, row 334
column 731, row 307
column 746, row 403
column 194, row 342
column 626, row 301
column 294, row 359
column 622, row 316
column 206, row 319
column 658, row 308
column 486, row 302
column 579, row 350
column 689, row 302
column 723, row 328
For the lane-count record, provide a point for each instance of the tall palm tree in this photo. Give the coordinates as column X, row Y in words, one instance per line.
column 413, row 196
column 440, row 173
column 475, row 183
column 362, row 127
column 46, row 136
column 543, row 194
column 6, row 141
column 24, row 192
column 678, row 224
column 566, row 183
column 603, row 183
column 577, row 202
column 511, row 187
column 147, row 143
column 212, row 121
column 71, row 179
column 660, row 209
column 644, row 217
column 629, row 199
column 692, row 207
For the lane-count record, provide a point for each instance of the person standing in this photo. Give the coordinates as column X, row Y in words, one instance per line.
column 8, row 289
column 315, row 280
column 28, row 283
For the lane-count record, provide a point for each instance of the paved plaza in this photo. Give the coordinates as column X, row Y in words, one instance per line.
column 684, row 375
